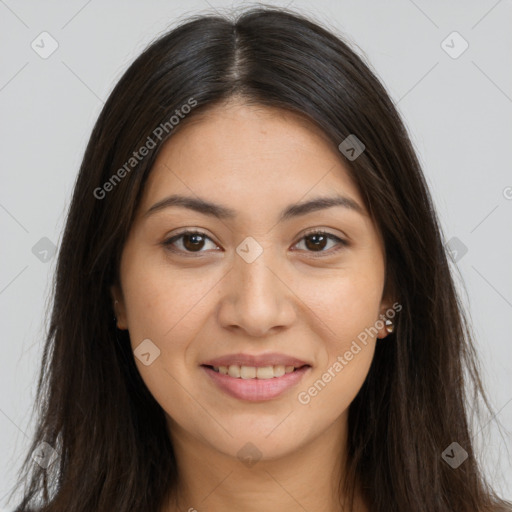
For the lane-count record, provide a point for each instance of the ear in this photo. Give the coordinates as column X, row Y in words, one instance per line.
column 119, row 306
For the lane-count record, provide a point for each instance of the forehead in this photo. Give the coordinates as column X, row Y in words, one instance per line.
column 249, row 156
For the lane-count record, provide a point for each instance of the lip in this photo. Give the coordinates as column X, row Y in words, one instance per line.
column 257, row 360
column 255, row 390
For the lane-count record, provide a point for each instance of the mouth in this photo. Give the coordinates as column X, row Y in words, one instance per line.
column 255, row 383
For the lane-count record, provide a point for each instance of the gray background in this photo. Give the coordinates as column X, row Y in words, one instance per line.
column 458, row 112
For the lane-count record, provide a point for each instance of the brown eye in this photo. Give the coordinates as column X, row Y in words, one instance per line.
column 317, row 241
column 193, row 242
column 190, row 242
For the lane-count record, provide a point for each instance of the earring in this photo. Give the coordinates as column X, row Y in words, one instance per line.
column 390, row 327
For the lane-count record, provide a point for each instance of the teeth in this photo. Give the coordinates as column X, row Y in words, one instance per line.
column 247, row 372
column 234, row 371
column 265, row 372
column 252, row 372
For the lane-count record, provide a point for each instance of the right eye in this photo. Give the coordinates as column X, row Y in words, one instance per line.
column 191, row 242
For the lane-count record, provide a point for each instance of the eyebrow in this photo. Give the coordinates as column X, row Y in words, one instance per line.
column 222, row 212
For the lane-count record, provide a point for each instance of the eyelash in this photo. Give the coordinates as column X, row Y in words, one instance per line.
column 342, row 243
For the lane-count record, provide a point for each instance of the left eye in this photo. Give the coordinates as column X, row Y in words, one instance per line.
column 318, row 240
column 194, row 241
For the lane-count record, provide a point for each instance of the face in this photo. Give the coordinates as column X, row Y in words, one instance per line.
column 252, row 292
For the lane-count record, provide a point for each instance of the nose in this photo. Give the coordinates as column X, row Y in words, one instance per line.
column 256, row 297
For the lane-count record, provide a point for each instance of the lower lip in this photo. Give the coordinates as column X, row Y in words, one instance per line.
column 256, row 390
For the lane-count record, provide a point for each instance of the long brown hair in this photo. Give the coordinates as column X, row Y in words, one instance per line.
column 110, row 438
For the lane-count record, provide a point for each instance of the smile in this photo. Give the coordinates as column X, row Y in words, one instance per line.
column 255, row 383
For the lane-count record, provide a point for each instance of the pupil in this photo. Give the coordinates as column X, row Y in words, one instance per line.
column 315, row 245
column 194, row 238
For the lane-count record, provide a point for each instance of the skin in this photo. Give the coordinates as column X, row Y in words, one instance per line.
column 257, row 161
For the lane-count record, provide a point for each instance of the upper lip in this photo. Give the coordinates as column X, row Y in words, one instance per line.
column 270, row 359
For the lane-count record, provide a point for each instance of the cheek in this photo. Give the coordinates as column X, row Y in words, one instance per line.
column 160, row 302
column 332, row 389
column 168, row 308
column 346, row 303
column 346, row 307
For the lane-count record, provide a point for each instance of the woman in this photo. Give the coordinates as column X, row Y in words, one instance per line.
column 253, row 306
